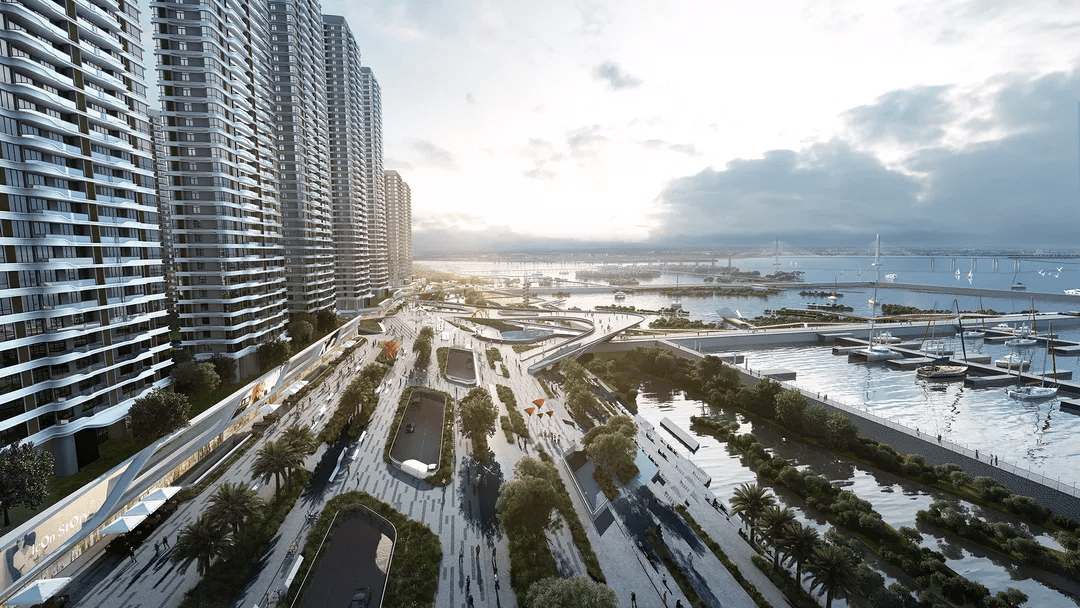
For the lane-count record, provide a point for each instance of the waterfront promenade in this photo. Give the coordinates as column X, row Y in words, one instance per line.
column 461, row 513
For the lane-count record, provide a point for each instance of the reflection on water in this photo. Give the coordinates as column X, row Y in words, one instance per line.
column 896, row 500
column 1030, row 435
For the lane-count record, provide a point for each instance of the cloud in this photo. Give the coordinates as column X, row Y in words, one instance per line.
column 616, row 78
column 827, row 186
column 432, row 156
column 586, row 141
column 915, row 115
column 542, row 153
column 469, row 99
column 393, row 163
column 1021, row 184
column 659, row 144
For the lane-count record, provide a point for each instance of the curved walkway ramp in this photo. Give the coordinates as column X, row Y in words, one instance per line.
column 605, row 327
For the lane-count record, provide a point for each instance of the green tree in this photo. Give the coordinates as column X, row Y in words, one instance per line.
column 326, row 321
column 235, row 505
column 300, row 439
column 273, row 353
column 612, row 448
column 158, row 413
column 201, row 542
column 526, row 504
column 775, row 521
column 790, row 406
column 24, row 477
column 751, row 500
column 300, row 331
column 195, row 377
column 278, row 460
column 832, row 571
column 576, row 592
column 478, row 416
column 800, row 543
column 225, row 367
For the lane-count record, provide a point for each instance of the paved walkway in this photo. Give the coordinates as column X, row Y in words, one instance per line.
column 461, row 513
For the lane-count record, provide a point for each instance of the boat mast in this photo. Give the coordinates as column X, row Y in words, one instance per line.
column 959, row 320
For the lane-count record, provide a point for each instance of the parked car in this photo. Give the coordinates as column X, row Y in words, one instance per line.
column 360, row 598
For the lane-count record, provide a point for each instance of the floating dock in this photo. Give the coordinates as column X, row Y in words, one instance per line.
column 680, row 434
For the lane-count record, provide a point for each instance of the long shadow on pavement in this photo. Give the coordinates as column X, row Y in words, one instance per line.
column 479, row 490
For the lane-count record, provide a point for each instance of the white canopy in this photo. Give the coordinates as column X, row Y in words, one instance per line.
column 37, row 592
column 269, row 408
column 163, row 493
column 124, row 524
column 145, row 507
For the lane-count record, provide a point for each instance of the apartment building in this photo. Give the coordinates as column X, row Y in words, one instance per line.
column 374, row 184
column 82, row 289
column 299, row 89
column 398, row 229
column 347, row 146
column 220, row 173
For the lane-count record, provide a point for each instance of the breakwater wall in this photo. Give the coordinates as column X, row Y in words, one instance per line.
column 1061, row 497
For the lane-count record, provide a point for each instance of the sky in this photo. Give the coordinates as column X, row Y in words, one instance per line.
column 523, row 123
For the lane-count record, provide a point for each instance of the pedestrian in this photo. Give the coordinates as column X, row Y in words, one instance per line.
column 478, row 550
column 468, row 583
column 461, row 556
column 496, row 582
column 976, row 452
column 131, row 554
column 633, row 600
column 665, row 578
column 470, row 599
column 665, row 598
column 157, row 548
column 166, row 541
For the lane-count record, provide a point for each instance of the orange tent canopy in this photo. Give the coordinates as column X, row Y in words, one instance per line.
column 530, row 410
column 539, row 402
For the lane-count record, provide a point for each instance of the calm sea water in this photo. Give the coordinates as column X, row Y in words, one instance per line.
column 897, row 500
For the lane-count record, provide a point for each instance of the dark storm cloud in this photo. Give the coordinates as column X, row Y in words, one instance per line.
column 615, row 77
column 1017, row 190
column 827, row 186
column 916, row 115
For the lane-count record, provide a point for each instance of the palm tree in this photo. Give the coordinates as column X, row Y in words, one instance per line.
column 301, row 439
column 800, row 542
column 776, row 521
column 277, row 460
column 201, row 542
column 833, row 571
column 235, row 505
column 751, row 500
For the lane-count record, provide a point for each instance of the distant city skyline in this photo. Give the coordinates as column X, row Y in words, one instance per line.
column 577, row 122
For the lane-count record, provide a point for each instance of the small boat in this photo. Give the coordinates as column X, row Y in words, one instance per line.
column 1073, row 292
column 876, row 352
column 1013, row 360
column 1024, row 331
column 941, row 371
column 973, row 334
column 890, row 277
column 1018, row 287
column 886, row 338
column 1032, row 393
column 936, row 348
column 1021, row 342
column 1003, row 327
column 619, row 295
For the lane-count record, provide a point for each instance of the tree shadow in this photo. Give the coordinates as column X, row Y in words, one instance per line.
column 478, row 483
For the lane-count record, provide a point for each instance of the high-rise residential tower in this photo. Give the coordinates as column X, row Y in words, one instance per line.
column 221, row 178
column 296, row 52
column 374, row 195
column 82, row 292
column 347, row 153
column 398, row 229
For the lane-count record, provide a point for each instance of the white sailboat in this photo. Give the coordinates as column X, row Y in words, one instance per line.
column 873, row 351
column 1031, row 392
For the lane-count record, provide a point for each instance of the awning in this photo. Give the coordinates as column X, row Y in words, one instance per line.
column 124, row 524
column 163, row 493
column 38, row 592
column 145, row 507
column 269, row 408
